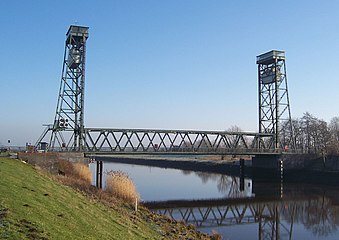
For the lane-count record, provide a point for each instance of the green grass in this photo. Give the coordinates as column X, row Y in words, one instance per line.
column 4, row 154
column 33, row 206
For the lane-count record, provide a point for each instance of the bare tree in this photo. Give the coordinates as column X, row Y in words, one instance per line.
column 235, row 139
column 333, row 147
column 312, row 135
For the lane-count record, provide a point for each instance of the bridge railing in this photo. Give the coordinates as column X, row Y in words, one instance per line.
column 176, row 141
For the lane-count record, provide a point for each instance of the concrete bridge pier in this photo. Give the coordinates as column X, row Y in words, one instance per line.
column 267, row 167
column 266, row 161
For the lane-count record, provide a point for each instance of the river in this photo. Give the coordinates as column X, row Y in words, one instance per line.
column 236, row 208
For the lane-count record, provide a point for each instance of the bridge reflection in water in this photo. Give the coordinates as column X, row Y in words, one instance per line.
column 274, row 215
column 242, row 208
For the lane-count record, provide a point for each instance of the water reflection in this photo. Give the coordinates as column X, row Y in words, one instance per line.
column 319, row 215
column 238, row 208
column 156, row 184
column 229, row 186
column 316, row 215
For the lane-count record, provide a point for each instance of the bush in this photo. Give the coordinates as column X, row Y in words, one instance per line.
column 121, row 186
column 215, row 235
column 65, row 167
column 83, row 172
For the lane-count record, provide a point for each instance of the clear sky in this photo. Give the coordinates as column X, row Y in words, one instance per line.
column 175, row 64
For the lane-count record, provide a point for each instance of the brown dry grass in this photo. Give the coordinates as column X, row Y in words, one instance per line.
column 83, row 172
column 121, row 186
column 64, row 167
column 75, row 170
column 77, row 176
column 215, row 235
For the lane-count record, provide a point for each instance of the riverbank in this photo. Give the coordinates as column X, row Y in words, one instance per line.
column 35, row 205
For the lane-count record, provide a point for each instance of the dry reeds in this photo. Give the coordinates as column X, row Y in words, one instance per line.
column 77, row 170
column 121, row 186
column 215, row 235
column 83, row 172
column 64, row 167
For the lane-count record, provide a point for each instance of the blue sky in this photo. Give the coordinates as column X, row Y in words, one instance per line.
column 179, row 64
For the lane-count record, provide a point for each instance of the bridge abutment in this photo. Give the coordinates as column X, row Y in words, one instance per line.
column 267, row 167
column 266, row 161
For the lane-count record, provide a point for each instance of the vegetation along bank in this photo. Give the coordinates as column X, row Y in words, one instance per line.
column 35, row 204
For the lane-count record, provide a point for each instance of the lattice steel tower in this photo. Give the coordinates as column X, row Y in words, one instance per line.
column 274, row 106
column 68, row 127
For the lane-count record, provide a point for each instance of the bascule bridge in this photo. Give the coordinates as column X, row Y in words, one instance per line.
column 68, row 131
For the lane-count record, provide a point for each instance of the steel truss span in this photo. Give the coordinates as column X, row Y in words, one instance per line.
column 148, row 141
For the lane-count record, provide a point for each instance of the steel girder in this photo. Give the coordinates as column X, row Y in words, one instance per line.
column 148, row 141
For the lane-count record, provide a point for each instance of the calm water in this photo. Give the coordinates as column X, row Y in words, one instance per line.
column 240, row 209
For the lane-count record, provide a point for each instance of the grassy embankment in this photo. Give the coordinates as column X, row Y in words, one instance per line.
column 35, row 205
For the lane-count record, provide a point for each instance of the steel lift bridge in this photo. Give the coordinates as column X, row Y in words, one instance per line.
column 68, row 132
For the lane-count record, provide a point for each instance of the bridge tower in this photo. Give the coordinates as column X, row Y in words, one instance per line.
column 68, row 126
column 274, row 106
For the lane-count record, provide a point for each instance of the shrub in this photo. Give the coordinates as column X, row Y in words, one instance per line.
column 65, row 167
column 83, row 172
column 215, row 235
column 121, row 186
